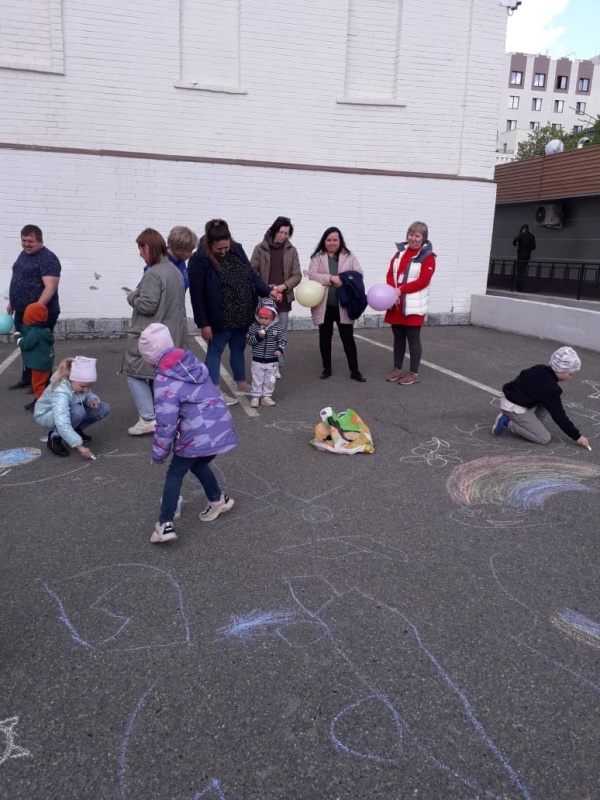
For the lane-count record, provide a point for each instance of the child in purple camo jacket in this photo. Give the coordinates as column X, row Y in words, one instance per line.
column 192, row 419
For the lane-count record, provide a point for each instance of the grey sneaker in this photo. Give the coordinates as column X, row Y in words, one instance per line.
column 163, row 533
column 213, row 510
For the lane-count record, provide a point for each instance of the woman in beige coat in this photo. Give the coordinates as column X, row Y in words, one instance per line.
column 276, row 261
column 329, row 259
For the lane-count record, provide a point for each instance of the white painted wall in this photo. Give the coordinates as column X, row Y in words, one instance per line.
column 287, row 85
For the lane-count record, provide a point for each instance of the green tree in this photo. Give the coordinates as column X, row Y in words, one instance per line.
column 535, row 144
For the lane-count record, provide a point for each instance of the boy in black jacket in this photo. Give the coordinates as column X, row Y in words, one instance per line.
column 533, row 394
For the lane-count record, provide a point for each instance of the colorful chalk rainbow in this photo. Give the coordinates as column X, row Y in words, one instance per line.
column 578, row 627
column 517, row 481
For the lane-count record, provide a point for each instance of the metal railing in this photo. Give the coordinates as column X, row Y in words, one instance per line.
column 580, row 279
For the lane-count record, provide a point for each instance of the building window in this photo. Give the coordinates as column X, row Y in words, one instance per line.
column 583, row 85
column 536, row 104
column 513, row 101
column 516, row 78
column 539, row 79
column 580, row 108
column 558, row 126
column 562, row 81
column 577, row 128
column 534, row 126
column 559, row 106
column 511, row 124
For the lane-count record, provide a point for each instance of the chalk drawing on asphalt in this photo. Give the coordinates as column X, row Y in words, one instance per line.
column 534, row 618
column 9, row 749
column 335, row 548
column 106, row 608
column 382, row 724
column 513, row 485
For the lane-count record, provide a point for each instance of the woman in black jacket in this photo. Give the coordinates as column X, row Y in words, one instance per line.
column 223, row 292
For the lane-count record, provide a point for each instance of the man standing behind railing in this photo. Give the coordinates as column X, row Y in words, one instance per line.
column 525, row 244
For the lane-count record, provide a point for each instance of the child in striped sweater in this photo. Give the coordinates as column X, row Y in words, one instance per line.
column 267, row 338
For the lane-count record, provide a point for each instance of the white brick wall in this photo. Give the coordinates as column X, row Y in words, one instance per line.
column 119, row 92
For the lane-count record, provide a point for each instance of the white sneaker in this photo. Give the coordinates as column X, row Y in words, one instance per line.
column 163, row 533
column 177, row 513
column 213, row 510
column 254, row 402
column 142, row 426
column 267, row 401
column 230, row 401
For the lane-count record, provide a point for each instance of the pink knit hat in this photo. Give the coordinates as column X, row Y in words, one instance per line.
column 154, row 340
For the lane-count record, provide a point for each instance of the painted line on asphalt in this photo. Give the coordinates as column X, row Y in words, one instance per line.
column 449, row 372
column 243, row 402
column 8, row 361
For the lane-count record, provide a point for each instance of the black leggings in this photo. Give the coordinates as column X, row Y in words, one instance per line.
column 332, row 315
column 412, row 333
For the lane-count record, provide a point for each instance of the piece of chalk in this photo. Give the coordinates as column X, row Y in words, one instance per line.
column 92, row 456
column 589, row 448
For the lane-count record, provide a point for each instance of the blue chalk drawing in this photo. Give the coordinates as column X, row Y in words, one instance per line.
column 244, row 626
column 93, row 611
column 332, row 548
column 413, row 654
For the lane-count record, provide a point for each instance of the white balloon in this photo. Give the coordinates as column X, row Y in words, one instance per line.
column 554, row 146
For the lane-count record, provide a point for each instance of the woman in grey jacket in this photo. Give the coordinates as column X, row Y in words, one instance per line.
column 160, row 297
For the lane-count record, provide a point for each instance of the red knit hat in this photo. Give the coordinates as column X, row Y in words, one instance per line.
column 35, row 312
column 264, row 310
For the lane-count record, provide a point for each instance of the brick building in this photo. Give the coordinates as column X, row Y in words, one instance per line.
column 356, row 113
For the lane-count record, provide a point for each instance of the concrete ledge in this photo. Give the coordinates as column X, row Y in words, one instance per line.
column 117, row 328
column 560, row 323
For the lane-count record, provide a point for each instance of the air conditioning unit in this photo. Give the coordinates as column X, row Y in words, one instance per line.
column 549, row 216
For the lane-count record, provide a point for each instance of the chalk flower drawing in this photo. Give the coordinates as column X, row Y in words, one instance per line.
column 434, row 452
column 10, row 750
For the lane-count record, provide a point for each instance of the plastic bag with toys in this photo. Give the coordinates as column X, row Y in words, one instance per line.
column 342, row 433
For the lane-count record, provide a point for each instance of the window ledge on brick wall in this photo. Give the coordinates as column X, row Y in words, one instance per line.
column 209, row 87
column 370, row 101
column 32, row 67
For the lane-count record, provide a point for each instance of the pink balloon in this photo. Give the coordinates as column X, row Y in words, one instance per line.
column 381, row 297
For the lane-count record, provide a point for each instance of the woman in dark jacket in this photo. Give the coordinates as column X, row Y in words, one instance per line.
column 223, row 292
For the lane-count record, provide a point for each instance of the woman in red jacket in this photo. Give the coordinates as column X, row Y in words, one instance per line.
column 410, row 273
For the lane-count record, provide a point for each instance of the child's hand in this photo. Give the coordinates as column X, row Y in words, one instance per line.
column 85, row 452
column 261, row 332
column 583, row 442
column 278, row 353
column 93, row 404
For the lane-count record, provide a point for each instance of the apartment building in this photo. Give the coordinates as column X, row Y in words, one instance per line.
column 539, row 91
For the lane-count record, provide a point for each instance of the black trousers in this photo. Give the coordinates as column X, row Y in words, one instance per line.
column 332, row 316
column 522, row 268
column 412, row 334
column 52, row 320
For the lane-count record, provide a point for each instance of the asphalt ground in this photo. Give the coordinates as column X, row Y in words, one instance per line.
column 421, row 622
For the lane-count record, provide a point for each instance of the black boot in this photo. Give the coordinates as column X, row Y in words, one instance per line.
column 29, row 406
column 84, row 436
column 56, row 446
column 325, row 374
column 358, row 376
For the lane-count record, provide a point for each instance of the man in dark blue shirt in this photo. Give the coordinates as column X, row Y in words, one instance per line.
column 35, row 278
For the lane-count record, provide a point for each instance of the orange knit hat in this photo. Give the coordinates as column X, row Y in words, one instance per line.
column 35, row 312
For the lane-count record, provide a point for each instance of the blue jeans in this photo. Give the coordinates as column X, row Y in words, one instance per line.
column 236, row 340
column 83, row 416
column 179, row 466
column 142, row 395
